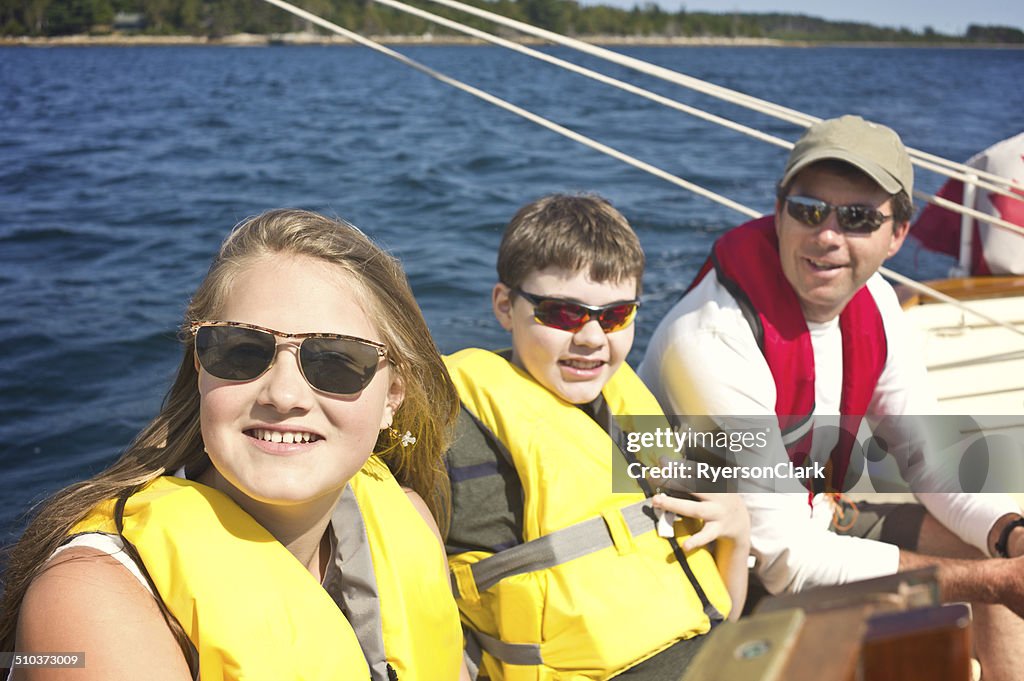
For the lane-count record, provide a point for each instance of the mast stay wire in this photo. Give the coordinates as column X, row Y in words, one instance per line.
column 679, row 106
column 519, row 111
column 927, row 161
column 593, row 144
column 671, row 103
column 589, row 73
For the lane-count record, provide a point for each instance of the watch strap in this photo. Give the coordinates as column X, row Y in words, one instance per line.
column 1002, row 546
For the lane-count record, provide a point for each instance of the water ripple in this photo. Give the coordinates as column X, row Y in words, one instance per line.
column 121, row 171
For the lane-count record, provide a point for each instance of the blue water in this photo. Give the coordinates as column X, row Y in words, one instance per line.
column 122, row 169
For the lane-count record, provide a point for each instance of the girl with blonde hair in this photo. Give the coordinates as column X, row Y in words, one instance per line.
column 277, row 518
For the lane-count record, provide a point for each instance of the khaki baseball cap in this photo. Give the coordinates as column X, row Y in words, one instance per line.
column 872, row 148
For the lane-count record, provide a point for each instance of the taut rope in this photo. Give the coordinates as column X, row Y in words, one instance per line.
column 650, row 69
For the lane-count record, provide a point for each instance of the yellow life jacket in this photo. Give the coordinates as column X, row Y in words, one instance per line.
column 549, row 608
column 251, row 610
column 394, row 587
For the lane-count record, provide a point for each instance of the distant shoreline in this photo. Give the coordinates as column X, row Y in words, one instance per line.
column 254, row 40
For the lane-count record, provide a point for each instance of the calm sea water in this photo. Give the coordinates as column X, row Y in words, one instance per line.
column 122, row 169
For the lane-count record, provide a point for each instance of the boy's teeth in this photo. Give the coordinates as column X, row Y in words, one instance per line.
column 580, row 364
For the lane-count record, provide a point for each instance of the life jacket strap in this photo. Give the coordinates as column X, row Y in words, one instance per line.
column 561, row 546
column 510, row 653
column 351, row 582
column 798, row 431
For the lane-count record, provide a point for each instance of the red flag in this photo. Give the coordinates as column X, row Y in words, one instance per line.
column 993, row 250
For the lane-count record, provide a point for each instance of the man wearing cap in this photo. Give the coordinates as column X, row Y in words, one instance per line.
column 790, row 322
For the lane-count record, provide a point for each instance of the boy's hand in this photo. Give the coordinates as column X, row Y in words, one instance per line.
column 724, row 515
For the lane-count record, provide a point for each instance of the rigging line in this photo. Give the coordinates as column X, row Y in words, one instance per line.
column 976, row 214
column 674, row 104
column 594, row 75
column 582, row 139
column 970, row 175
column 705, row 87
column 779, row 111
column 998, row 180
column 938, row 295
column 519, row 111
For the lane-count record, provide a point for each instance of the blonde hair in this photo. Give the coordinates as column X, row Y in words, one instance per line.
column 173, row 439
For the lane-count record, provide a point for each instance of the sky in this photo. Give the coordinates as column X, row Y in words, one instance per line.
column 945, row 16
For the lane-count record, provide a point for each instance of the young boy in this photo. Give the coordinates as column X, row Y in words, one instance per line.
column 557, row 575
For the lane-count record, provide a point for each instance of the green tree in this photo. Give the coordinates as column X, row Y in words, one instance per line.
column 994, row 34
column 160, row 15
column 74, row 16
column 189, row 16
column 553, row 15
column 220, row 17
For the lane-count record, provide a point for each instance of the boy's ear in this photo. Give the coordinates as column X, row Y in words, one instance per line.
column 501, row 302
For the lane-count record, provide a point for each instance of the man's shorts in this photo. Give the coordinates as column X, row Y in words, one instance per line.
column 898, row 524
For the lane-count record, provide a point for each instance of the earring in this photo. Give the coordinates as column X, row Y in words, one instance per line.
column 407, row 438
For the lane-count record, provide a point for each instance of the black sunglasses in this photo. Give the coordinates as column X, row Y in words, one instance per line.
column 330, row 362
column 569, row 316
column 855, row 219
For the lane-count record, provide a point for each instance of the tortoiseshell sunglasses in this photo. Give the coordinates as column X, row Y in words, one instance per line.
column 330, row 362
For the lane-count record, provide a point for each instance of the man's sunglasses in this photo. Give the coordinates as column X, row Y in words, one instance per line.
column 569, row 316
column 330, row 362
column 855, row 219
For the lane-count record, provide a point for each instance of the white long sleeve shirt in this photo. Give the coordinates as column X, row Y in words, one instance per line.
column 703, row 359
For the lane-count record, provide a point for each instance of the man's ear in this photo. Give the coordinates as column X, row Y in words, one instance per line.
column 899, row 235
column 501, row 303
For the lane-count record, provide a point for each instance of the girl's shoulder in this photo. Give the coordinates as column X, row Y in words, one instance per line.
column 85, row 600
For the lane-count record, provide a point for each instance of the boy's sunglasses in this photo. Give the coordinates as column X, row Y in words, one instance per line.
column 855, row 219
column 330, row 362
column 568, row 316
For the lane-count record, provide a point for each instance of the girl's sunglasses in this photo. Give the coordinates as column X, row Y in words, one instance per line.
column 330, row 362
column 855, row 219
column 568, row 316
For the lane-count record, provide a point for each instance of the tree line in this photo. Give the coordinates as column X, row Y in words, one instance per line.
column 217, row 18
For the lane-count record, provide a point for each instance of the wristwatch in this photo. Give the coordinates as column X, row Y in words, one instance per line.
column 1004, row 537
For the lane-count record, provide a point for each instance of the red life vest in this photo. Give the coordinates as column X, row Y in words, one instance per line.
column 746, row 261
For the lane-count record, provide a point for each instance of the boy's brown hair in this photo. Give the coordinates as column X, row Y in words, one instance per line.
column 579, row 232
